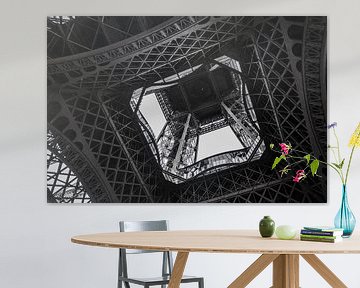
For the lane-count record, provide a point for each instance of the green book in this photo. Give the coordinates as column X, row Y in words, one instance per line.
column 325, row 240
column 319, row 236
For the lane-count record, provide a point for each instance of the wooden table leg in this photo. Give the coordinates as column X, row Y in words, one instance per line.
column 286, row 271
column 253, row 270
column 324, row 271
column 178, row 269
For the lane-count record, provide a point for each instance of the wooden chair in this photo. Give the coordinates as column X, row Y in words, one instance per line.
column 167, row 262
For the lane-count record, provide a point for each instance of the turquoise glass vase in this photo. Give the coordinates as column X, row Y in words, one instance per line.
column 345, row 219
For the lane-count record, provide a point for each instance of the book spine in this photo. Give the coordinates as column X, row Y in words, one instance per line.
column 320, row 233
column 318, row 236
column 318, row 239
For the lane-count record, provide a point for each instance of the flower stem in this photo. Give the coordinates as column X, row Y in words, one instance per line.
column 339, row 155
column 350, row 159
column 325, row 163
column 348, row 166
column 339, row 171
column 338, row 145
column 333, row 152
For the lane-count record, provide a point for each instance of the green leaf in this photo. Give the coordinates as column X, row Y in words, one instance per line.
column 307, row 157
column 339, row 166
column 277, row 160
column 314, row 165
column 342, row 164
column 336, row 165
column 271, row 146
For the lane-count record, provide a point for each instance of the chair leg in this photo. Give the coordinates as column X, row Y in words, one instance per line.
column 201, row 283
column 126, row 284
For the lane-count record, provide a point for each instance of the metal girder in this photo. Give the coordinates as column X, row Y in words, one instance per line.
column 65, row 33
column 63, row 185
column 176, row 147
column 131, row 46
column 135, row 146
column 252, row 183
column 62, row 124
column 314, row 77
column 110, row 159
column 263, row 77
column 245, row 191
column 174, row 48
column 291, row 40
column 238, row 121
column 126, row 151
column 72, row 165
column 140, row 100
column 181, row 144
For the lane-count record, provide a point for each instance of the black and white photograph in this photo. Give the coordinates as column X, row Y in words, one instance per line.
column 185, row 109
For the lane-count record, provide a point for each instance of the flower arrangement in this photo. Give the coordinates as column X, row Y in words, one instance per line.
column 311, row 163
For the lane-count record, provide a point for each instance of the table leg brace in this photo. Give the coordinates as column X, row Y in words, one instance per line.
column 253, row 270
column 324, row 271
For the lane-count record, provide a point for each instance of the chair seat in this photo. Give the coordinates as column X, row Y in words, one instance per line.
column 158, row 280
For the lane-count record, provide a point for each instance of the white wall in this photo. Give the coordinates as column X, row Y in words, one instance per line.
column 35, row 248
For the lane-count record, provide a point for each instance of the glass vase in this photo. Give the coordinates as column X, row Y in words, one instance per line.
column 345, row 219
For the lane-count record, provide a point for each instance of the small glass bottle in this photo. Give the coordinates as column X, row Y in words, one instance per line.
column 266, row 227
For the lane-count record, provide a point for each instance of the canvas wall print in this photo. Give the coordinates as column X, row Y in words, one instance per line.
column 170, row 109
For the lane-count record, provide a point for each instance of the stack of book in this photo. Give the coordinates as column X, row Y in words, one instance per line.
column 321, row 234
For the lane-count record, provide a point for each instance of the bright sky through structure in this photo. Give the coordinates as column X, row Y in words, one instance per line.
column 218, row 141
column 151, row 110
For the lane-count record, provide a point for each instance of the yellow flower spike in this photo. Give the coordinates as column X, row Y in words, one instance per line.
column 355, row 138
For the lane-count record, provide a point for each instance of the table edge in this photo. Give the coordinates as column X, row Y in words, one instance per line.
column 203, row 250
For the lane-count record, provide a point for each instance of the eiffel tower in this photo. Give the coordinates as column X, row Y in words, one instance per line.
column 262, row 78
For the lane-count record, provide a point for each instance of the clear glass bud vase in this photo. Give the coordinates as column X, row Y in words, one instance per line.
column 345, row 219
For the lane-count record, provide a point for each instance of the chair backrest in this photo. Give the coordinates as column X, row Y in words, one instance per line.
column 134, row 226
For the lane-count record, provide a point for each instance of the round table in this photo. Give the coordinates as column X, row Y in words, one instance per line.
column 284, row 254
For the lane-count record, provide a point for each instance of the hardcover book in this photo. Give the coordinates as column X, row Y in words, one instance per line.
column 321, row 233
column 319, row 237
column 323, row 228
column 328, row 240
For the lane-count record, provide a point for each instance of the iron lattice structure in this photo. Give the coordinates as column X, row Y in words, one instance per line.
column 264, row 77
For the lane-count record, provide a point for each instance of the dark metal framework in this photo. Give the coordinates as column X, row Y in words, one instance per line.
column 63, row 185
column 100, row 68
